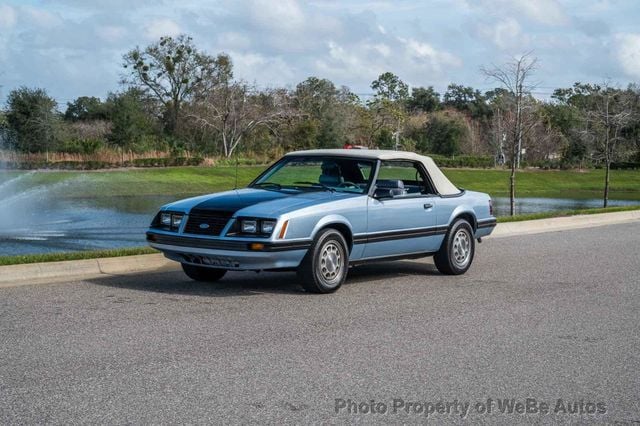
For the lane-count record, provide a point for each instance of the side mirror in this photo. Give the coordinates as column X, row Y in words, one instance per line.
column 382, row 193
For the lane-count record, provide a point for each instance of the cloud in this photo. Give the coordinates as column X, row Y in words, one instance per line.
column 41, row 18
column 8, row 16
column 161, row 27
column 504, row 34
column 628, row 54
column 234, row 40
column 592, row 27
column 74, row 47
column 415, row 61
column 273, row 71
column 279, row 15
column 548, row 12
column 111, row 33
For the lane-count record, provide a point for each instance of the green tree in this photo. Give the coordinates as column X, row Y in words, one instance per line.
column 316, row 96
column 389, row 105
column 85, row 108
column 6, row 139
column 444, row 133
column 424, row 100
column 466, row 99
column 32, row 115
column 173, row 70
column 319, row 99
column 384, row 139
column 388, row 86
column 131, row 120
column 303, row 134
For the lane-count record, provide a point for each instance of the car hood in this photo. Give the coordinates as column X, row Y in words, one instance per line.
column 256, row 202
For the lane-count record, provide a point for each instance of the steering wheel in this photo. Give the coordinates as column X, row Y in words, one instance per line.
column 347, row 184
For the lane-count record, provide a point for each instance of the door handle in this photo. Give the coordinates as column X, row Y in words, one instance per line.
column 428, row 206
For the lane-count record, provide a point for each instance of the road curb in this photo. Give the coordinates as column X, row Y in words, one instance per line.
column 76, row 270
column 510, row 229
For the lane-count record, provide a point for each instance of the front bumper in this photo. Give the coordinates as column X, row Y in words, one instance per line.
column 232, row 255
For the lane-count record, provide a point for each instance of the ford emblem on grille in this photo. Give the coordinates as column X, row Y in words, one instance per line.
column 204, row 226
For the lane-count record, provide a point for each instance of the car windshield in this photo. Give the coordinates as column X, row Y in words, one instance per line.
column 317, row 173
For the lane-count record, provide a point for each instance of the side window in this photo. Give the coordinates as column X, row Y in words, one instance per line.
column 365, row 169
column 405, row 175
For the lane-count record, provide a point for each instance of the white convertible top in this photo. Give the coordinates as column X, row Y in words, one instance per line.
column 442, row 183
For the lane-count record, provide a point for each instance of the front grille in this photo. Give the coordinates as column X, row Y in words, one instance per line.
column 216, row 221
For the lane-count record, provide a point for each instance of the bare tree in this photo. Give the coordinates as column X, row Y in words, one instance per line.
column 235, row 109
column 610, row 112
column 174, row 71
column 514, row 77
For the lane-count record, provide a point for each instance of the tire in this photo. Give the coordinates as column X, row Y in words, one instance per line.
column 325, row 266
column 200, row 273
column 458, row 248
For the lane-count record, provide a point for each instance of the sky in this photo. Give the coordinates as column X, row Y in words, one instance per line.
column 75, row 47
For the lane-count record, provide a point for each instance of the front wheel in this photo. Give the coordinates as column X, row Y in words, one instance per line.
column 324, row 268
column 200, row 273
column 457, row 250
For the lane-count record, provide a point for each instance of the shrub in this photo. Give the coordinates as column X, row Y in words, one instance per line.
column 464, row 161
column 625, row 165
column 81, row 146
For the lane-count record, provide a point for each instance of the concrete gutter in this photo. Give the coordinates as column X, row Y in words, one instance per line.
column 77, row 270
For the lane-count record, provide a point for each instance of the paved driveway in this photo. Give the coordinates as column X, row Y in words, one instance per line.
column 545, row 317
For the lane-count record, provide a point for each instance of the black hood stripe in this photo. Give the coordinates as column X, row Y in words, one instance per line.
column 234, row 201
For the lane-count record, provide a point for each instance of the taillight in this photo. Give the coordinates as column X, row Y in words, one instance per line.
column 490, row 207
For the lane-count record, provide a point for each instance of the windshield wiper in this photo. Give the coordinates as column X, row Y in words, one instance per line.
column 271, row 184
column 321, row 185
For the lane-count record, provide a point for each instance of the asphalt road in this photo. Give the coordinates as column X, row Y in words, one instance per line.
column 549, row 316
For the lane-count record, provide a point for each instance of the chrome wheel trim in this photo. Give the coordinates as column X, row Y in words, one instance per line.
column 330, row 264
column 461, row 248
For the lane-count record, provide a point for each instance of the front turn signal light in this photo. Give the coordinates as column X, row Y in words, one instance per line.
column 283, row 230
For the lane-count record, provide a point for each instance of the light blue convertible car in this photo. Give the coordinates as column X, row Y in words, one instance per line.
column 318, row 212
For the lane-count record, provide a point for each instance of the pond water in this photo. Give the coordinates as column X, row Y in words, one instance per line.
column 48, row 218
column 539, row 205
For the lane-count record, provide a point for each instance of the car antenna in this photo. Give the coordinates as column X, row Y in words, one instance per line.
column 236, row 186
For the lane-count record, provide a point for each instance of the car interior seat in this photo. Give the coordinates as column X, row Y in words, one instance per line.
column 392, row 187
column 331, row 175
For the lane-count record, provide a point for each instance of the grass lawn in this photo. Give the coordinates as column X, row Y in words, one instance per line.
column 56, row 257
column 182, row 181
column 625, row 184
column 152, row 181
column 79, row 255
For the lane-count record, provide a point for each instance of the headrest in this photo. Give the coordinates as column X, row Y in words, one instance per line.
column 330, row 168
column 390, row 183
column 330, row 180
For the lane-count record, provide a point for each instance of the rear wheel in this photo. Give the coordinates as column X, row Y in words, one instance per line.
column 324, row 268
column 457, row 250
column 200, row 273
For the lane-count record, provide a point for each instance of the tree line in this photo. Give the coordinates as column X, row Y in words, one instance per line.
column 176, row 97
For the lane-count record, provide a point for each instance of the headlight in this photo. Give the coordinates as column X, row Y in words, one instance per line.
column 176, row 220
column 170, row 221
column 165, row 219
column 249, row 226
column 266, row 226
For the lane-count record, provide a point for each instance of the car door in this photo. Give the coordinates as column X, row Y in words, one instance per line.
column 401, row 216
